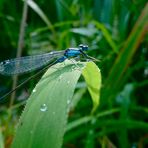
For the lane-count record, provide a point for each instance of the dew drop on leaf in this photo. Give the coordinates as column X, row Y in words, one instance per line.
column 43, row 108
column 34, row 90
column 68, row 101
column 75, row 67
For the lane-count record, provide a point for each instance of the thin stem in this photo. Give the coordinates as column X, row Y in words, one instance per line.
column 20, row 46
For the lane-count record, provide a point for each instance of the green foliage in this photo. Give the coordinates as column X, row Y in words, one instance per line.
column 92, row 77
column 46, row 109
column 48, row 106
column 125, row 56
column 1, row 140
column 116, row 33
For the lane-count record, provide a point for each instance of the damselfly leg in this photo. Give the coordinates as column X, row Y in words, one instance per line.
column 29, row 63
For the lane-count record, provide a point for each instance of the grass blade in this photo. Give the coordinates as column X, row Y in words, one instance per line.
column 38, row 10
column 1, row 140
column 124, row 58
column 106, row 35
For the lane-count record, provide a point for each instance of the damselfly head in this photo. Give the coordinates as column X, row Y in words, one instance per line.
column 83, row 47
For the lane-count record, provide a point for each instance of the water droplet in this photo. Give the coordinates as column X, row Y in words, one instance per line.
column 75, row 67
column 68, row 82
column 68, row 101
column 31, row 132
column 53, row 113
column 34, row 90
column 43, row 108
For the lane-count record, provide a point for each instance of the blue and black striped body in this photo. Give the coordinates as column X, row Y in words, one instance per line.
column 27, row 64
column 73, row 52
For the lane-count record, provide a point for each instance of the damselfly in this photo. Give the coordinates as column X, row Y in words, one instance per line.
column 29, row 63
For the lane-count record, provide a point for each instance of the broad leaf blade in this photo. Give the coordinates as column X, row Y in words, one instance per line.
column 92, row 76
column 44, row 119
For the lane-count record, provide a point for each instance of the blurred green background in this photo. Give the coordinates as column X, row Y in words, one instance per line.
column 116, row 33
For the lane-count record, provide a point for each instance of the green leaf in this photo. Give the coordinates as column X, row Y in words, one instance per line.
column 120, row 67
column 44, row 119
column 92, row 77
column 84, row 31
column 107, row 35
column 1, row 140
column 38, row 10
